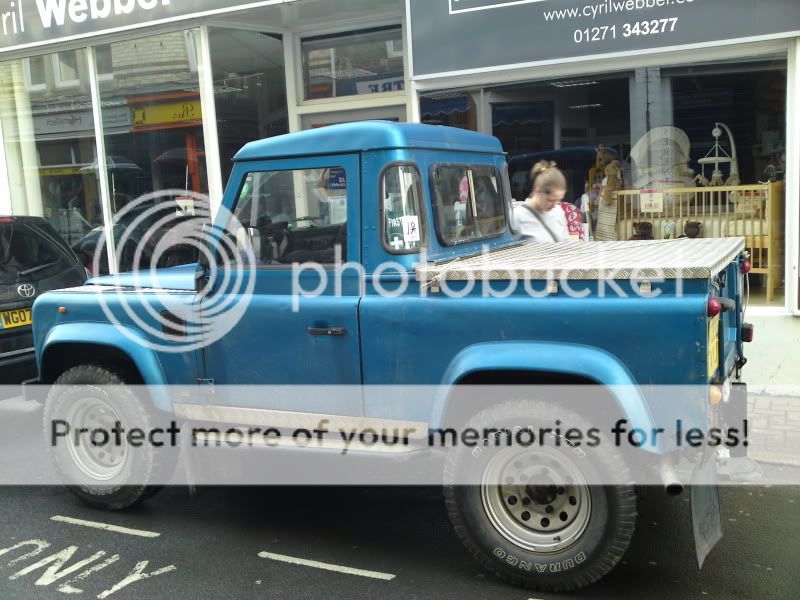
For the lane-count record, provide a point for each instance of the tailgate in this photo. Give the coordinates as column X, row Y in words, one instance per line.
column 725, row 347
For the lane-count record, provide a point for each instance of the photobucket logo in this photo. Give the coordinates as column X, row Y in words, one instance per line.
column 460, row 278
column 171, row 310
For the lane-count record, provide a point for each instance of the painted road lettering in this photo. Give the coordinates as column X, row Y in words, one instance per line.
column 137, row 574
column 56, row 567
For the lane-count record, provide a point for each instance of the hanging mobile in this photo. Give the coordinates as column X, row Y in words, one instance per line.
column 718, row 156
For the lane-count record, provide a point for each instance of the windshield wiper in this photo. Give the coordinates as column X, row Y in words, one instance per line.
column 34, row 269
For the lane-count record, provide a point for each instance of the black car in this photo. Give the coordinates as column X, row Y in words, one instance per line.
column 33, row 260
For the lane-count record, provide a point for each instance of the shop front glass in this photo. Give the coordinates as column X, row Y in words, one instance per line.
column 155, row 154
column 49, row 142
column 359, row 63
column 249, row 89
column 657, row 153
column 453, row 109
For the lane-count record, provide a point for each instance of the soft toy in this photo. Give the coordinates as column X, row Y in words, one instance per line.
column 612, row 182
column 692, row 229
column 642, row 231
column 717, row 178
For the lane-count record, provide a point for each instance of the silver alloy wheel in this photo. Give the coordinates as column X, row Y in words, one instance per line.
column 100, row 461
column 536, row 499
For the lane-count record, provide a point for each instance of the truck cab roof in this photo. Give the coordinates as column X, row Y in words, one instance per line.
column 369, row 135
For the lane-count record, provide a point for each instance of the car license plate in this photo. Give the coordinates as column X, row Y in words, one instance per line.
column 15, row 318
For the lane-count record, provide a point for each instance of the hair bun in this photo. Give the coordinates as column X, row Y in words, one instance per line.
column 542, row 166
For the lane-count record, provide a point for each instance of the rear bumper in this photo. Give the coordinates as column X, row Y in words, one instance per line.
column 734, row 414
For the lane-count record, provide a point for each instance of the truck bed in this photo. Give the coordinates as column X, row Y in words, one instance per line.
column 643, row 259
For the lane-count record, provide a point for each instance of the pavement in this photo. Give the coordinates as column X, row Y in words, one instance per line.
column 774, row 428
column 773, row 378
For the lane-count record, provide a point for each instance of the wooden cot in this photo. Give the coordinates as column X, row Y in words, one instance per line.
column 754, row 212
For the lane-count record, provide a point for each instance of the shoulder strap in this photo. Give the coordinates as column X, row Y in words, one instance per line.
column 541, row 220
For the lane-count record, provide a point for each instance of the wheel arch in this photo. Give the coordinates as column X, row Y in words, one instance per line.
column 543, row 364
column 74, row 344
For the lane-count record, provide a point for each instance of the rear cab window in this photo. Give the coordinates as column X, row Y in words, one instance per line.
column 469, row 203
column 401, row 215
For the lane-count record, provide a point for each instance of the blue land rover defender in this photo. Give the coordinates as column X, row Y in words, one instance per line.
column 318, row 217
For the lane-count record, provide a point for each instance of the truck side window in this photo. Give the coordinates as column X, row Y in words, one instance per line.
column 295, row 216
column 400, row 207
column 469, row 203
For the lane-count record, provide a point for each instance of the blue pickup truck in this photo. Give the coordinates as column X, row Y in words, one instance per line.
column 380, row 254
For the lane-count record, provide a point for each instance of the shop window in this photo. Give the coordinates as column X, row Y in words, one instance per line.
column 453, row 109
column 49, row 145
column 191, row 50
column 105, row 64
column 155, row 155
column 35, row 73
column 295, row 216
column 249, row 89
column 662, row 152
column 65, row 69
column 360, row 63
column 523, row 127
column 395, row 114
column 401, row 216
column 468, row 203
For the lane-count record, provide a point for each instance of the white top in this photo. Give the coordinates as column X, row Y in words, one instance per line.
column 531, row 228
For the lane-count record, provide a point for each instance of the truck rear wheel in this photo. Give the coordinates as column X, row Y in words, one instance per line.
column 534, row 520
column 109, row 476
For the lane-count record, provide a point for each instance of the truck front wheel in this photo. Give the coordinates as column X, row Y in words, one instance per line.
column 534, row 519
column 82, row 410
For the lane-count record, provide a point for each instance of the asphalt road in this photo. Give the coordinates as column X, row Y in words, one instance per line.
column 239, row 543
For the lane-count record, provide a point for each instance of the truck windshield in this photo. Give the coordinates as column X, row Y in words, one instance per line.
column 468, row 203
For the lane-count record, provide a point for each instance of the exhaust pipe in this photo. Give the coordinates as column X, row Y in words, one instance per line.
column 669, row 479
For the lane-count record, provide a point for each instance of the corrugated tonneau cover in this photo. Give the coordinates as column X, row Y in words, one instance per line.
column 644, row 259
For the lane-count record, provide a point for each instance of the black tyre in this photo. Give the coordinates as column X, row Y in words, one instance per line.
column 108, row 476
column 534, row 520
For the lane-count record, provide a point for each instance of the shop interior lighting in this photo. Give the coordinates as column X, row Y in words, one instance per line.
column 585, row 106
column 573, row 83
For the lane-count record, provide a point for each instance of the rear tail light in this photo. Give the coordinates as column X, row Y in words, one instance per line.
column 718, row 305
column 714, row 307
column 747, row 332
column 6, row 219
column 746, row 266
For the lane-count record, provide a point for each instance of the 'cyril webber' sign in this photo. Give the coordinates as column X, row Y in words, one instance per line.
column 468, row 35
column 26, row 22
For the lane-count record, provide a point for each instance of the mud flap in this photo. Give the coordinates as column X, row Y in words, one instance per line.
column 706, row 519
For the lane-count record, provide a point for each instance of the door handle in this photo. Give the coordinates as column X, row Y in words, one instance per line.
column 331, row 331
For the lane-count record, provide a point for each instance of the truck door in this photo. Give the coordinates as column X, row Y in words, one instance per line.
column 295, row 212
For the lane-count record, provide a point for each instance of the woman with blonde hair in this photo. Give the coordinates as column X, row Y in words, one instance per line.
column 534, row 217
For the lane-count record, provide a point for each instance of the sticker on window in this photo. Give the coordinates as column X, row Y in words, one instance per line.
column 410, row 225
